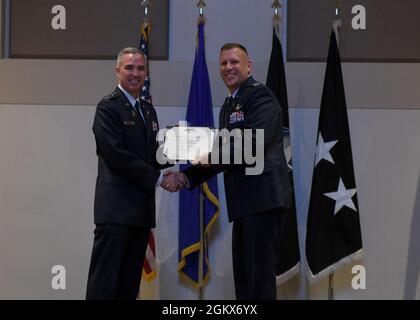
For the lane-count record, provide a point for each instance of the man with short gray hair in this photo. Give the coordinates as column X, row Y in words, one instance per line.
column 125, row 129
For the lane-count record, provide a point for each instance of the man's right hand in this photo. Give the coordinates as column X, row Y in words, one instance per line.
column 173, row 181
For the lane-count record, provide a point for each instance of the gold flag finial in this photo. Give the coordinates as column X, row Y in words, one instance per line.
column 146, row 4
column 201, row 5
column 338, row 4
column 276, row 17
column 337, row 21
column 276, row 5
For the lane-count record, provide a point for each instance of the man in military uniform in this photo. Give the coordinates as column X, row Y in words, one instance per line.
column 125, row 129
column 255, row 203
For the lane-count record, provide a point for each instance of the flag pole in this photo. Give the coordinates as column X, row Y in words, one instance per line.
column 201, row 4
column 201, row 252
column 331, row 286
column 336, row 26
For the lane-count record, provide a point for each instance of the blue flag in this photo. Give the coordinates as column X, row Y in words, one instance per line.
column 199, row 114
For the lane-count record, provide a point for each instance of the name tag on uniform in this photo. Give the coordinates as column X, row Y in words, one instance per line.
column 236, row 116
column 129, row 123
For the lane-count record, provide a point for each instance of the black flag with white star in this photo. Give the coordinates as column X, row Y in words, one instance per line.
column 287, row 241
column 333, row 235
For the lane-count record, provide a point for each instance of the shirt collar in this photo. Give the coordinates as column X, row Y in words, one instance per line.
column 234, row 93
column 129, row 96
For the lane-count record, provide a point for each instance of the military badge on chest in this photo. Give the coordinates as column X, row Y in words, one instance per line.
column 237, row 115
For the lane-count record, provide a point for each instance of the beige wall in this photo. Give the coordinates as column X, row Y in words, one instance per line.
column 1, row 28
column 83, row 82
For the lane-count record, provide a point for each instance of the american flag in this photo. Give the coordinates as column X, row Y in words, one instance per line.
column 144, row 47
column 149, row 266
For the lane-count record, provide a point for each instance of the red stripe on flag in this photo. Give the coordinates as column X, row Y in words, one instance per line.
column 149, row 265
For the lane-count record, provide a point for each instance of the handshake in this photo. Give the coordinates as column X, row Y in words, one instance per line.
column 173, row 181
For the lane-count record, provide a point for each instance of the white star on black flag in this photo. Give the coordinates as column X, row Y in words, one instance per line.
column 333, row 235
column 342, row 197
column 323, row 150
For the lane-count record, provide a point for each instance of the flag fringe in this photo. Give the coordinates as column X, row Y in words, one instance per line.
column 213, row 199
column 288, row 274
column 195, row 284
column 149, row 276
column 332, row 268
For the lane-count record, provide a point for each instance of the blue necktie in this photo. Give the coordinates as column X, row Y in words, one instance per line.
column 140, row 109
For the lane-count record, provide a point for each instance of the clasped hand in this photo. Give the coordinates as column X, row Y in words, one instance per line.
column 173, row 181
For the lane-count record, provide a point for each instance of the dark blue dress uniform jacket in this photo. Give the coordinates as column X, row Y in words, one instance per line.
column 127, row 166
column 250, row 194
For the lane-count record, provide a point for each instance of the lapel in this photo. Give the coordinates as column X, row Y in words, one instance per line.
column 147, row 118
column 227, row 109
column 134, row 115
column 130, row 110
column 223, row 114
column 248, row 82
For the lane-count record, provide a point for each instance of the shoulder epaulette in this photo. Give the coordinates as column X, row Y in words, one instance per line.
column 114, row 94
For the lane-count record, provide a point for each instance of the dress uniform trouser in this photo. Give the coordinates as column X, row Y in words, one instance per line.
column 117, row 260
column 254, row 256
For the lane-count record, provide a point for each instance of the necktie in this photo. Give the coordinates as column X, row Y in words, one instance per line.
column 228, row 109
column 140, row 109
